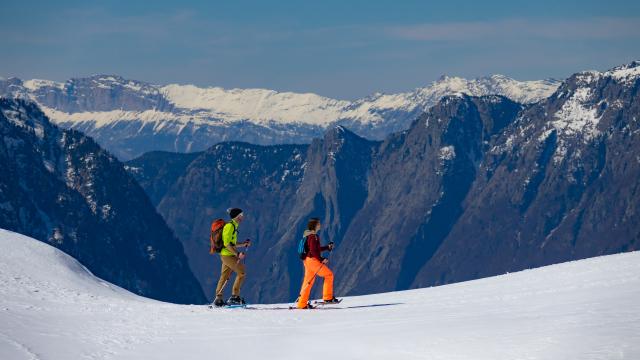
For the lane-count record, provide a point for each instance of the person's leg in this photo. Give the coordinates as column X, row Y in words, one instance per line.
column 234, row 265
column 327, row 286
column 240, row 275
column 225, row 273
column 310, row 268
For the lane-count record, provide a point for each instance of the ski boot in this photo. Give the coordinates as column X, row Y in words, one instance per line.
column 219, row 302
column 309, row 306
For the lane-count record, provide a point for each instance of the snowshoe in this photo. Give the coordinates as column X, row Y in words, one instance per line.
column 334, row 300
column 236, row 300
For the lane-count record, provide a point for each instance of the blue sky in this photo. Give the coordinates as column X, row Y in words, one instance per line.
column 343, row 49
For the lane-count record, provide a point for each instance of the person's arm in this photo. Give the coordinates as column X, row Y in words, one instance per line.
column 328, row 247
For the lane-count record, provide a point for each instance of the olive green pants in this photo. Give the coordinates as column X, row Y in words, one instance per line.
column 229, row 264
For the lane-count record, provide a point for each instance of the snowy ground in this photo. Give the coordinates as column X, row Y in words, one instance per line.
column 53, row 308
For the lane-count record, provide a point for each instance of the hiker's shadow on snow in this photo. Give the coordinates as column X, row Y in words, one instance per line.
column 372, row 305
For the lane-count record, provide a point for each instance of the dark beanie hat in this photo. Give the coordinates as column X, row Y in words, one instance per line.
column 233, row 213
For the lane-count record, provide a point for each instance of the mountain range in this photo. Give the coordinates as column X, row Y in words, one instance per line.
column 476, row 186
column 129, row 117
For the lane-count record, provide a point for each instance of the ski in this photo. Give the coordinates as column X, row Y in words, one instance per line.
column 252, row 307
column 321, row 305
column 235, row 306
column 324, row 303
column 249, row 307
column 316, row 308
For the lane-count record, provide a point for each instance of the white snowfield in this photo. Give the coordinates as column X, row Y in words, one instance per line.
column 51, row 307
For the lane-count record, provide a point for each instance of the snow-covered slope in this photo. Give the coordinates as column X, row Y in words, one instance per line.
column 52, row 308
column 129, row 117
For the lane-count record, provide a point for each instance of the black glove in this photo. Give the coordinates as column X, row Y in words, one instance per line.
column 330, row 245
column 247, row 242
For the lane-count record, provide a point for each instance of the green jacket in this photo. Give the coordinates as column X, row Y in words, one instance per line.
column 229, row 236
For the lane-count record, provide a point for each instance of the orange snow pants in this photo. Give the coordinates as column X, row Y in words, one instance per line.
column 311, row 267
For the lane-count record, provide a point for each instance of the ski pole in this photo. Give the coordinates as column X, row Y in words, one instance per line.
column 317, row 271
column 246, row 249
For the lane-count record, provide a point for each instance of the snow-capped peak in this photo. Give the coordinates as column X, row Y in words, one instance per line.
column 519, row 91
column 626, row 73
column 36, row 84
column 260, row 105
column 20, row 113
column 116, row 81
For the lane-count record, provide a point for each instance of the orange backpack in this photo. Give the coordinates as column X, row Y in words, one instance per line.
column 216, row 236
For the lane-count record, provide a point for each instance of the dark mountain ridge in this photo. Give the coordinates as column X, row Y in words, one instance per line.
column 60, row 187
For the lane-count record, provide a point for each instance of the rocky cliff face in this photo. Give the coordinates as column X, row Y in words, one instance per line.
column 157, row 171
column 477, row 186
column 60, row 187
column 98, row 93
column 417, row 186
column 559, row 184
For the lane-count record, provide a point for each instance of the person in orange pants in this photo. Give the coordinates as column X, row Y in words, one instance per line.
column 315, row 265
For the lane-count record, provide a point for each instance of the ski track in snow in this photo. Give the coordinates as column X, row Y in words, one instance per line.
column 11, row 349
column 51, row 307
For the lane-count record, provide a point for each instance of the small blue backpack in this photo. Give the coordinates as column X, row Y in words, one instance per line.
column 303, row 248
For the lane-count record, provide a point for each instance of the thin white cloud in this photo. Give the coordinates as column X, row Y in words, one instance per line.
column 553, row 29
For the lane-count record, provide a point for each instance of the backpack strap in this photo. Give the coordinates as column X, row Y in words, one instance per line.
column 307, row 247
column 235, row 230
